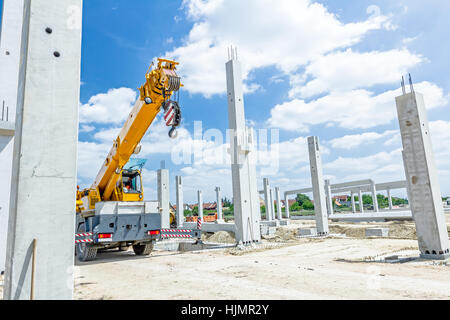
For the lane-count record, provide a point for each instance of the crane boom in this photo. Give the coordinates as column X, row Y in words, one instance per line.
column 155, row 94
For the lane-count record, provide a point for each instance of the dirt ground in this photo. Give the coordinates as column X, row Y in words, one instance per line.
column 283, row 267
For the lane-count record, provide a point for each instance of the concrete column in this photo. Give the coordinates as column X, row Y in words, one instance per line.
column 389, row 198
column 180, row 201
column 329, row 197
column 10, row 40
column 408, row 191
column 200, row 204
column 267, row 199
column 272, row 204
column 278, row 198
column 247, row 212
column 374, row 198
column 163, row 197
column 353, row 202
column 361, row 203
column 320, row 207
column 422, row 176
column 45, row 152
column 219, row 204
column 286, row 206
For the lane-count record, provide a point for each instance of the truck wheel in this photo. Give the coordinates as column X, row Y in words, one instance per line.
column 85, row 252
column 143, row 249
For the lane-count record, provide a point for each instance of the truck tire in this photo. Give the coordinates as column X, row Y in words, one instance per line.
column 143, row 249
column 84, row 251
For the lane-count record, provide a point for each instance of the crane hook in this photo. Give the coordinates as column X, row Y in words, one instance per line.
column 173, row 133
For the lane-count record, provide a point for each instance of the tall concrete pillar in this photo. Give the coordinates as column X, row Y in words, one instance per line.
column 219, row 204
column 200, row 204
column 389, row 198
column 10, row 40
column 278, row 198
column 408, row 191
column 286, row 206
column 180, row 201
column 352, row 196
column 320, row 207
column 374, row 197
column 329, row 196
column 45, row 152
column 267, row 199
column 247, row 213
column 272, row 204
column 163, row 197
column 360, row 200
column 422, row 177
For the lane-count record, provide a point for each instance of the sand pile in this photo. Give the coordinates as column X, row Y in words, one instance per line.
column 220, row 237
column 350, row 231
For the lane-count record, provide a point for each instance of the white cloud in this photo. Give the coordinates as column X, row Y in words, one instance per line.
column 293, row 33
column 111, row 107
column 355, row 109
column 86, row 128
column 347, row 70
column 355, row 140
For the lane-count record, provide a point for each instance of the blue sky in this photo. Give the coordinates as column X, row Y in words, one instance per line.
column 325, row 68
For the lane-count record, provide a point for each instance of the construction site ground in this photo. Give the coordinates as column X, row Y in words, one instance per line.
column 282, row 267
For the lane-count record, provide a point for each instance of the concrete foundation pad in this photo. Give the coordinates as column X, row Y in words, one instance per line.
column 435, row 256
column 212, row 226
column 284, row 222
column 268, row 231
column 272, row 223
column 307, row 231
column 377, row 232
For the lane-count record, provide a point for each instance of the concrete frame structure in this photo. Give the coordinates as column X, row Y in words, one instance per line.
column 45, row 153
column 266, row 192
column 219, row 205
column 163, row 197
column 317, row 182
column 180, row 201
column 10, row 40
column 200, row 204
column 278, row 198
column 421, row 176
column 359, row 187
column 247, row 213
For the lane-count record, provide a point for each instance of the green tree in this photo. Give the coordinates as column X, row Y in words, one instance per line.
column 295, row 207
column 301, row 198
column 308, row 205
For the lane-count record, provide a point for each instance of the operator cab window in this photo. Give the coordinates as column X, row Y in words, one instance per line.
column 131, row 182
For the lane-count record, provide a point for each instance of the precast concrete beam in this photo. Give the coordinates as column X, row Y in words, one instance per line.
column 422, row 177
column 180, row 201
column 10, row 41
column 247, row 214
column 44, row 173
column 200, row 204
column 163, row 197
column 278, row 198
column 317, row 181
column 219, row 204
column 267, row 199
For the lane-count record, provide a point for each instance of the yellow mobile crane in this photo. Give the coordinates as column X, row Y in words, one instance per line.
column 111, row 213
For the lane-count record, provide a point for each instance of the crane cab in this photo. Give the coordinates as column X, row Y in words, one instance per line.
column 129, row 186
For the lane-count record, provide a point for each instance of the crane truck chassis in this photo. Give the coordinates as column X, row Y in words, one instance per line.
column 111, row 213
